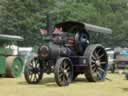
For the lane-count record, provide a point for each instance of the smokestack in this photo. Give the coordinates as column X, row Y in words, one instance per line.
column 49, row 24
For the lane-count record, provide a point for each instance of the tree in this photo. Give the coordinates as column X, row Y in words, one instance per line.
column 24, row 17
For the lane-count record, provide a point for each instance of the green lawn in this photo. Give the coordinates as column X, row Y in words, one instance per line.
column 115, row 85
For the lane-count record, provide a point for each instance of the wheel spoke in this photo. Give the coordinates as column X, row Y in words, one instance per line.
column 61, row 69
column 63, row 80
column 35, row 78
column 33, row 64
column 101, row 55
column 37, row 75
column 94, row 69
column 98, row 51
column 96, row 55
column 93, row 57
column 38, row 72
column 93, row 65
column 93, row 61
column 68, row 69
column 60, row 74
column 37, row 65
column 100, row 69
column 66, row 76
column 103, row 63
column 30, row 75
column 99, row 75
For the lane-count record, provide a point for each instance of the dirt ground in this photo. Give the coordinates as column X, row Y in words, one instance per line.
column 115, row 85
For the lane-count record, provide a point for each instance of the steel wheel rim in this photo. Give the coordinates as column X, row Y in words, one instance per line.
column 99, row 63
column 34, row 70
column 65, row 72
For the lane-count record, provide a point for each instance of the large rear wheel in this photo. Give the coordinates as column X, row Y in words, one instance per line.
column 63, row 71
column 97, row 63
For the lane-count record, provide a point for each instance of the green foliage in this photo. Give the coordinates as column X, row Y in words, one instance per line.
column 23, row 17
column 26, row 17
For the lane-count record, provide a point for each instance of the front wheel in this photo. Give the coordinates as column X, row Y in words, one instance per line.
column 32, row 72
column 63, row 71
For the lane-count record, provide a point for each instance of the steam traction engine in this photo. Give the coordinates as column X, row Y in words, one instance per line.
column 69, row 53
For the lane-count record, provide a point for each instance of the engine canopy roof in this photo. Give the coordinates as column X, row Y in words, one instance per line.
column 73, row 26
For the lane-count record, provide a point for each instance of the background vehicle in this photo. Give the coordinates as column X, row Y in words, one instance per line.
column 11, row 63
column 120, row 60
column 110, row 53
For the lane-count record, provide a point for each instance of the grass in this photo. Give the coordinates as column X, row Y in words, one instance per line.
column 115, row 85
